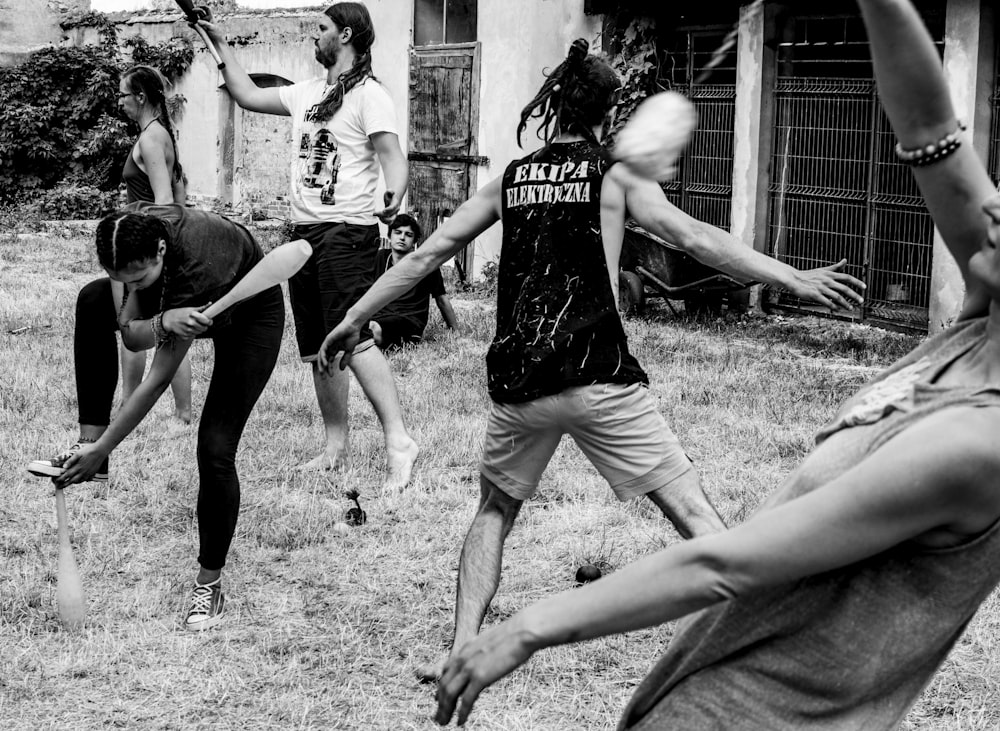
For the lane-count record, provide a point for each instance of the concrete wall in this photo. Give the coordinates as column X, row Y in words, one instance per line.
column 26, row 25
column 279, row 43
column 752, row 134
column 275, row 43
column 519, row 39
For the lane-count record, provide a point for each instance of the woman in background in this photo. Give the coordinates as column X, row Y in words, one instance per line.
column 152, row 173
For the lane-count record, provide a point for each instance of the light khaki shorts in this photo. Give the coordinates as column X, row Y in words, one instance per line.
column 617, row 427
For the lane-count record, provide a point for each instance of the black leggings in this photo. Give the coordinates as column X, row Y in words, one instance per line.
column 246, row 351
column 95, row 350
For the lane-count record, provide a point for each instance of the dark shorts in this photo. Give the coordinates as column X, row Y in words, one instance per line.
column 339, row 272
column 398, row 330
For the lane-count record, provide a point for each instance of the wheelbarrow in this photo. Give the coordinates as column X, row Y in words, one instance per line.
column 652, row 267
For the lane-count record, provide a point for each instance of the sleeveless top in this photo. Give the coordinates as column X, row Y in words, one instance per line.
column 557, row 319
column 137, row 186
column 851, row 648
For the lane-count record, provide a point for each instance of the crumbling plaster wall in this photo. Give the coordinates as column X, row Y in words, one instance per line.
column 278, row 42
column 26, row 25
column 275, row 43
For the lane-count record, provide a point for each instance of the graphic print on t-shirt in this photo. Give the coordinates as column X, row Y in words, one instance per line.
column 319, row 161
column 557, row 320
column 535, row 183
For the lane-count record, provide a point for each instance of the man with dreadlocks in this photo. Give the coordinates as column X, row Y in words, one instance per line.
column 559, row 362
column 344, row 125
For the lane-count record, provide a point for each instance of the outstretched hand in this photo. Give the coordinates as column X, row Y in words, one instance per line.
column 81, row 466
column 477, row 665
column 829, row 286
column 342, row 339
column 392, row 203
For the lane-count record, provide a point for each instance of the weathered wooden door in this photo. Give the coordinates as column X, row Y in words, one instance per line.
column 444, row 120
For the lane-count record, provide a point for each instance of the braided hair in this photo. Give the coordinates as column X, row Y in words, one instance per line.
column 125, row 238
column 153, row 86
column 575, row 97
column 354, row 16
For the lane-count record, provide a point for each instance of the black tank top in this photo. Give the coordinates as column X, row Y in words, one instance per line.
column 557, row 319
column 137, row 185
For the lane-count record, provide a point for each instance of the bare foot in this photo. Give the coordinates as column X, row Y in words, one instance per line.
column 183, row 415
column 431, row 672
column 337, row 460
column 399, row 465
column 176, row 425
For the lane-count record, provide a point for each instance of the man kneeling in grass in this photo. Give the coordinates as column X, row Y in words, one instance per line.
column 560, row 362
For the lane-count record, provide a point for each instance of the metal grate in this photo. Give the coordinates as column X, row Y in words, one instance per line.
column 837, row 190
column 994, row 161
column 703, row 187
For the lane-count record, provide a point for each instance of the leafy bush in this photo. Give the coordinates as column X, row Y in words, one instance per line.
column 72, row 202
column 488, row 275
column 173, row 57
column 59, row 117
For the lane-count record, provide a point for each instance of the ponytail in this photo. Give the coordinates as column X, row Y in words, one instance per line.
column 334, row 100
column 356, row 17
column 152, row 84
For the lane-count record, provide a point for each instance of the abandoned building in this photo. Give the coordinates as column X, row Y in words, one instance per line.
column 792, row 155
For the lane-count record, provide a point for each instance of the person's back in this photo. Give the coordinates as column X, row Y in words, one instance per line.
column 557, row 320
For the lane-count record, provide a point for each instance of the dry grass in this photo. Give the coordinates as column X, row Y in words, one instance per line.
column 324, row 631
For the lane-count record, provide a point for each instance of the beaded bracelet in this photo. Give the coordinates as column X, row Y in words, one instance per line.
column 932, row 153
column 160, row 334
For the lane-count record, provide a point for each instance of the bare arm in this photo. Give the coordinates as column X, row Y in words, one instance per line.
column 239, row 84
column 916, row 483
column 394, row 169
column 179, row 188
column 472, row 218
column 915, row 96
column 613, row 214
column 714, row 247
column 85, row 462
column 135, row 332
column 447, row 311
column 153, row 145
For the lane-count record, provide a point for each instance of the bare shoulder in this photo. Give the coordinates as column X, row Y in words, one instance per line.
column 620, row 175
column 959, row 450
column 154, row 136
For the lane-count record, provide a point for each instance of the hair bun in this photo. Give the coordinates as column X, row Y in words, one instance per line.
column 578, row 51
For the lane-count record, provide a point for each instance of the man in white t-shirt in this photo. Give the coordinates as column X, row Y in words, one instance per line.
column 344, row 128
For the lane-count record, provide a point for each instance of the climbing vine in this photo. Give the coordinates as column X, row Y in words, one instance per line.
column 636, row 57
column 59, row 120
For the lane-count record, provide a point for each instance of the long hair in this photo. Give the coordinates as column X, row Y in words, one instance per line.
column 575, row 97
column 153, row 86
column 354, row 16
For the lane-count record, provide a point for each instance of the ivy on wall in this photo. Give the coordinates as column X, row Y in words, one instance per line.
column 635, row 57
column 59, row 120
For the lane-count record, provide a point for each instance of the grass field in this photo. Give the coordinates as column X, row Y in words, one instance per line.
column 324, row 631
